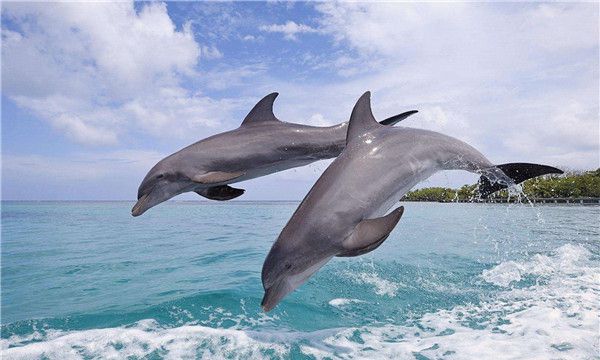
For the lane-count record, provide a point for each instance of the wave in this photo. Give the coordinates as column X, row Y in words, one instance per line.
column 547, row 307
column 341, row 302
column 381, row 286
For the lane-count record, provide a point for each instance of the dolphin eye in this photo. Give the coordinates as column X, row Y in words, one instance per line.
column 288, row 266
column 160, row 176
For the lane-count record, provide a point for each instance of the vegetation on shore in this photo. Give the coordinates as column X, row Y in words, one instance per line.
column 569, row 185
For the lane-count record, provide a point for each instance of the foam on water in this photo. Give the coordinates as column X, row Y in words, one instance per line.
column 341, row 302
column 381, row 286
column 555, row 315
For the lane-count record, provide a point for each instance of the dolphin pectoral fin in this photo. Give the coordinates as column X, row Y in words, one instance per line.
column 215, row 177
column 220, row 193
column 370, row 233
column 393, row 120
column 517, row 172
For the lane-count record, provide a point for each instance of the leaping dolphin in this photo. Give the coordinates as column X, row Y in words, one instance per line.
column 343, row 214
column 262, row 145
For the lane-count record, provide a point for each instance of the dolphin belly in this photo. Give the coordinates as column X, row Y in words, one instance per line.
column 397, row 195
column 256, row 172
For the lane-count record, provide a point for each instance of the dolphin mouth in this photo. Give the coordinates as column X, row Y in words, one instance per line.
column 274, row 294
column 268, row 303
column 141, row 206
column 264, row 306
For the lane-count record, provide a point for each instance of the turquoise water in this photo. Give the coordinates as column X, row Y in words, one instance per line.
column 459, row 281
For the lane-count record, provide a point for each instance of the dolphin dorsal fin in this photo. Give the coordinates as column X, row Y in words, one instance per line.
column 362, row 119
column 262, row 111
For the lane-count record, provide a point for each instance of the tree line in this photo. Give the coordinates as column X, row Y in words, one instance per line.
column 569, row 185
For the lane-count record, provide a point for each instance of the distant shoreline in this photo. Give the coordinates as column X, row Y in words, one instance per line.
column 514, row 200
column 578, row 188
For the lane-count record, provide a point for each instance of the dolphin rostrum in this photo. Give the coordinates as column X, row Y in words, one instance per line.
column 262, row 145
column 344, row 212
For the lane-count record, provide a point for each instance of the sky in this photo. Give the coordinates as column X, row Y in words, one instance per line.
column 94, row 94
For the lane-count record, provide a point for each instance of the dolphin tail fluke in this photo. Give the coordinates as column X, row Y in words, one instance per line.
column 517, row 172
column 393, row 120
column 369, row 234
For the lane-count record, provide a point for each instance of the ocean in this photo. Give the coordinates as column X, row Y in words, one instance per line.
column 86, row 280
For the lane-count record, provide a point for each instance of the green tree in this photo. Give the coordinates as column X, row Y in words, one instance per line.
column 570, row 185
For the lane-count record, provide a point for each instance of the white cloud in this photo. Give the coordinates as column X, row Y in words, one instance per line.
column 85, row 175
column 223, row 77
column 503, row 77
column 517, row 81
column 80, row 131
column 520, row 82
column 442, row 29
column 319, row 120
column 82, row 166
column 211, row 52
column 80, row 121
column 289, row 30
column 97, row 70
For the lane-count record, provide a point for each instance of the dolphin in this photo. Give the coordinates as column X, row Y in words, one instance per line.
column 262, row 145
column 344, row 214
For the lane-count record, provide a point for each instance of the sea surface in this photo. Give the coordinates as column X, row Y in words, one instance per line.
column 85, row 280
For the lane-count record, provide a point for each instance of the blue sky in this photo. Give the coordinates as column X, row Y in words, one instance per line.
column 94, row 94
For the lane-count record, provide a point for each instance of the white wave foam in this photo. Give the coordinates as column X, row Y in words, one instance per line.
column 144, row 338
column 555, row 318
column 340, row 302
column 382, row 286
column 567, row 261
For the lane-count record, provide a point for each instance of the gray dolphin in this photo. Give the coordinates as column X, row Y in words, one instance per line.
column 343, row 214
column 262, row 145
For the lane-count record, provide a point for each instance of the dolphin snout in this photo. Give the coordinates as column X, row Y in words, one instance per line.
column 141, row 206
column 274, row 294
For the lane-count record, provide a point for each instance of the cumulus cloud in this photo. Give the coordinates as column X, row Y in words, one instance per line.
column 211, row 52
column 514, row 81
column 83, row 166
column 223, row 77
column 519, row 82
column 85, row 175
column 289, row 30
column 319, row 120
column 95, row 70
